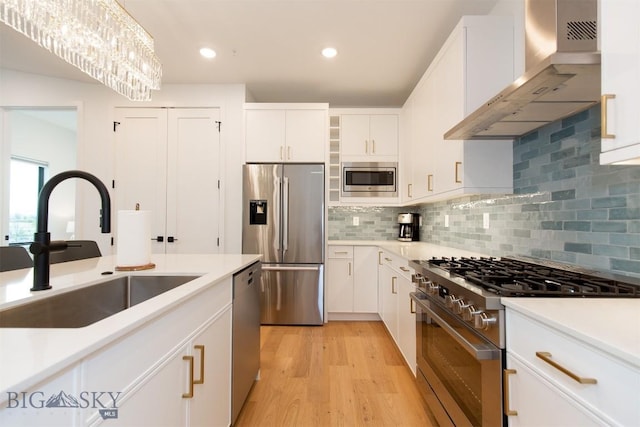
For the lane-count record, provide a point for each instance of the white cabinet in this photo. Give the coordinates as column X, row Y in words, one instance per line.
column 352, row 279
column 474, row 63
column 396, row 308
column 286, row 132
column 167, row 161
column 157, row 372
column 620, row 48
column 562, row 380
column 369, row 137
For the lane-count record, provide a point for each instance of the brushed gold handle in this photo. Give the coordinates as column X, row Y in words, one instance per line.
column 604, row 133
column 341, row 252
column 349, row 269
column 388, row 259
column 281, row 152
column 546, row 356
column 289, row 153
column 379, row 258
column 412, row 308
column 366, row 147
column 189, row 395
column 409, row 190
column 405, row 269
column 373, row 146
column 393, row 285
column 429, row 182
column 505, row 387
column 457, row 166
column 201, row 379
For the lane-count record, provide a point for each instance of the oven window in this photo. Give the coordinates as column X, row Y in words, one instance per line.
column 369, row 178
column 458, row 371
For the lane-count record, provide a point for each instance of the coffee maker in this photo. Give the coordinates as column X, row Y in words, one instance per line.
column 408, row 227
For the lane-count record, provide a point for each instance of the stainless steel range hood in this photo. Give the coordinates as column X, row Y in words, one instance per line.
column 562, row 77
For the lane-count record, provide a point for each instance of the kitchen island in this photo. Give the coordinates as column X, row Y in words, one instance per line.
column 123, row 353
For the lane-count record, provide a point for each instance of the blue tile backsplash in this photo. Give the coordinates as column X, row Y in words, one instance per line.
column 565, row 207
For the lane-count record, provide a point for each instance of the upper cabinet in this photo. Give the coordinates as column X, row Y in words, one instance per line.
column 286, row 132
column 369, row 137
column 474, row 63
column 620, row 49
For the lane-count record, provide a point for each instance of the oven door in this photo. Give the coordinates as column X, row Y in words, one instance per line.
column 460, row 367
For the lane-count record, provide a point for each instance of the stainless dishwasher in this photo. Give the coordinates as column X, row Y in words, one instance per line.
column 245, row 335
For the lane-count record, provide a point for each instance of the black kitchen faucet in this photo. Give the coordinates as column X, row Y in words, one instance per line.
column 42, row 244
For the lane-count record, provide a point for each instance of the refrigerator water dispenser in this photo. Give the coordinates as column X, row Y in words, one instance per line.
column 257, row 212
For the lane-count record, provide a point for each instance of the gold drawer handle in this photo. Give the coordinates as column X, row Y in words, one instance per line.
column 388, row 259
column 405, row 269
column 349, row 269
column 412, row 307
column 458, row 180
column 604, row 133
column 545, row 356
column 505, row 386
column 393, row 285
column 201, row 379
column 189, row 395
column 379, row 259
column 341, row 252
column 429, row 182
column 409, row 190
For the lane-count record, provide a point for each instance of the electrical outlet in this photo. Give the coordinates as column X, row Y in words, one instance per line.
column 485, row 220
column 356, row 220
column 446, row 221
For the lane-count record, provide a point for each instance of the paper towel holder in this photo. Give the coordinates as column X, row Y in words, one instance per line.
column 147, row 266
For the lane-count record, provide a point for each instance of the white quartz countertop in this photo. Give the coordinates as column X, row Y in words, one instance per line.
column 28, row 356
column 410, row 250
column 609, row 324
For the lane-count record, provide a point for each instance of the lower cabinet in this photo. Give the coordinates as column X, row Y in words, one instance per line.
column 173, row 371
column 396, row 307
column 557, row 379
column 352, row 279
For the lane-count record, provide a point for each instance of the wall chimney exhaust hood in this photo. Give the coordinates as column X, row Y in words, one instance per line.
column 562, row 73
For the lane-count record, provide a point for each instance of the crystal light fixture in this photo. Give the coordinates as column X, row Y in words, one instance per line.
column 97, row 36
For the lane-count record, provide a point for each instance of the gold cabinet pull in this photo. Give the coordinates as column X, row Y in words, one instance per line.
column 409, row 188
column 189, row 395
column 505, row 387
column 366, row 147
column 430, row 182
column 341, row 252
column 373, row 146
column 289, row 153
column 281, row 152
column 393, row 285
column 201, row 379
column 379, row 258
column 405, row 269
column 546, row 356
column 457, row 166
column 388, row 259
column 349, row 269
column 412, row 308
column 604, row 133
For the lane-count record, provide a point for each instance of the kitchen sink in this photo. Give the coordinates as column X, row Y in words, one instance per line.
column 85, row 306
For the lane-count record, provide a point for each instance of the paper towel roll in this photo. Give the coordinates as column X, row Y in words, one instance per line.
column 133, row 244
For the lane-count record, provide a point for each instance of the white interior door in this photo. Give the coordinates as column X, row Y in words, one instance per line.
column 193, row 194
column 141, row 166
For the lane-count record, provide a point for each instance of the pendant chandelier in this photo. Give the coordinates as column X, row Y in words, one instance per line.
column 97, row 36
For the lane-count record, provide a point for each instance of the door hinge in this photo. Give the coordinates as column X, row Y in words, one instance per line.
column 113, row 183
column 218, row 184
column 115, row 125
column 218, row 242
column 112, row 241
column 219, row 125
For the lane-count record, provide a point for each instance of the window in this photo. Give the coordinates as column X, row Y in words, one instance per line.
column 27, row 179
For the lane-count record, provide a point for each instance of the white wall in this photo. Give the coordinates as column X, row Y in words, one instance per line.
column 96, row 103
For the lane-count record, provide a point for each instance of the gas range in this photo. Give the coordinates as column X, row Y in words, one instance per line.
column 470, row 288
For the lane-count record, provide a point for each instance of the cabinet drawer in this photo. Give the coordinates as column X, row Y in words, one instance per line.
column 614, row 395
column 399, row 264
column 340, row 252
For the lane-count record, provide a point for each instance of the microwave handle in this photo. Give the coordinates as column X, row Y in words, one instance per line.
column 479, row 351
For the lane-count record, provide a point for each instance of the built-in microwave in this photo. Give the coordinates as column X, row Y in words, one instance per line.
column 369, row 179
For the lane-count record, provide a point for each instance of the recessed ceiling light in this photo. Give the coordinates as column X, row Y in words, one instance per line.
column 329, row 52
column 208, row 53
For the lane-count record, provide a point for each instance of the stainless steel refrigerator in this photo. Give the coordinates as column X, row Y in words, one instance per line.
column 283, row 219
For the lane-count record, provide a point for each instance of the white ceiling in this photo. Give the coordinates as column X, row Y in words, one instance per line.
column 273, row 46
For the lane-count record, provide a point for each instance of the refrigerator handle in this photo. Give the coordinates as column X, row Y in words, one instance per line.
column 285, row 215
column 277, row 192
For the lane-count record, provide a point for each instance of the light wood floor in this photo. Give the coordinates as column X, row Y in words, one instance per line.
column 339, row 374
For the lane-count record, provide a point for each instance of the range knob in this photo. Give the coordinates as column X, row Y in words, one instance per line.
column 470, row 312
column 432, row 288
column 483, row 321
column 450, row 300
column 460, row 306
column 418, row 278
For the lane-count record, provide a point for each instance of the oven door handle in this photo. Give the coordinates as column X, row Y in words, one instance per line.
column 479, row 351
